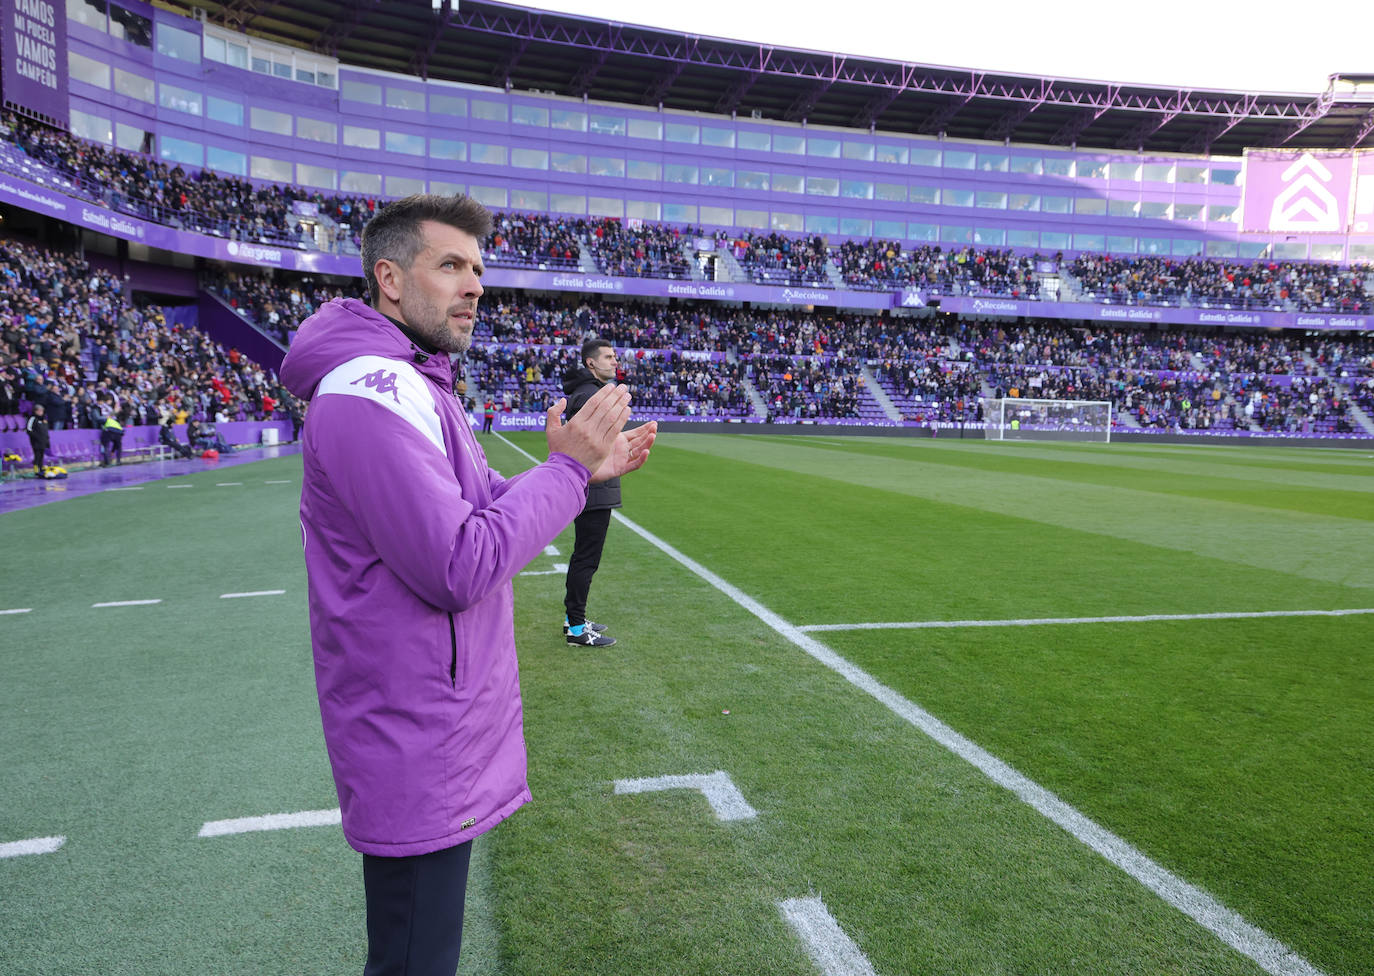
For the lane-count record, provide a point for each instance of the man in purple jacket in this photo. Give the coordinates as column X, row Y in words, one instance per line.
column 411, row 542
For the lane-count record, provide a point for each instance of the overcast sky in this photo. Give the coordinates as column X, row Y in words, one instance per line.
column 1233, row 45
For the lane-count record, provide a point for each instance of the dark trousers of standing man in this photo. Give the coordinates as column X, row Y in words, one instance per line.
column 589, row 537
column 415, row 912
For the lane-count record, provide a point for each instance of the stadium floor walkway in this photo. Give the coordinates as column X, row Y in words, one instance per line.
column 28, row 492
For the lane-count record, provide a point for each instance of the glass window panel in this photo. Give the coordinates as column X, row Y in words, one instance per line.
column 861, row 151
column 719, row 138
column 1157, row 172
column 1192, row 174
column 682, row 132
column 444, row 188
column 1025, row 202
column 646, row 129
column 179, row 99
column 755, row 141
column 856, row 227
column 605, row 207
column 788, row 182
column 1320, row 252
column 1222, row 249
column 990, row 200
column 224, row 110
column 281, row 69
column 1054, row 240
column 408, row 143
column 1090, row 206
column 573, row 203
column 131, row 137
column 644, row 169
column 752, row 219
column 823, row 186
column 1023, row 238
column 91, row 127
column 1123, row 208
column 316, row 130
column 488, row 111
column 641, row 210
column 568, row 120
column 404, row 186
column 1253, row 249
column 606, row 125
column 1155, row 245
column 92, row 72
column 307, row 76
column 719, row 216
column 1187, row 249
column 267, row 120
column 993, row 162
column 91, row 13
column 786, row 222
column 1092, row 169
column 992, row 236
column 1058, row 205
column 129, row 26
column 956, row 234
column 924, row 194
column 1291, row 250
column 857, row 189
column 529, row 199
column 891, row 228
column 454, row 105
column 181, row 151
column 1225, row 177
column 1221, row 213
column 819, row 224
column 606, row 166
column 1362, row 252
column 1124, row 171
column 489, row 196
column 1120, row 245
column 568, row 162
column 177, row 43
column 405, row 98
column 360, row 91
column 455, row 149
column 1032, row 165
column 786, row 142
column 267, row 168
column 680, row 212
column 521, row 114
column 1089, row 242
column 675, row 173
column 133, row 85
column 1187, row 211
column 751, row 180
column 958, row 198
column 921, row 156
column 226, row 161
column 893, row 152
column 487, row 154
column 1151, row 210
column 321, row 176
column 529, row 158
column 717, row 176
column 361, row 137
column 824, row 148
column 1058, row 166
column 890, row 191
column 958, row 159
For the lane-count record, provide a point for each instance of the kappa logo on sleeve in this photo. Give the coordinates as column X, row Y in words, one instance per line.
column 380, row 381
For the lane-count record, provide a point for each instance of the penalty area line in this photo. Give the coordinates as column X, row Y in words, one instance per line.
column 1041, row 621
column 34, row 845
column 272, row 821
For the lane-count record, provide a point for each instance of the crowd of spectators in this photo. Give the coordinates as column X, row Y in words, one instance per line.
column 535, row 241
column 885, row 265
column 277, row 306
column 776, row 259
column 635, row 249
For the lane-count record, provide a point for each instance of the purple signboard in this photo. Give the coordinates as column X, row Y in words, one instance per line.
column 33, row 36
column 1297, row 192
column 1083, row 311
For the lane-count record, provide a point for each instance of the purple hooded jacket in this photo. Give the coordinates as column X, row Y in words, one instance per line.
column 411, row 543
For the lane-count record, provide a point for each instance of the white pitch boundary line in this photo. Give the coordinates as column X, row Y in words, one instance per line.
column 1272, row 955
column 272, row 821
column 181, row 486
column 1038, row 621
column 833, row 952
column 236, row 596
column 34, row 845
column 286, row 482
column 127, row 488
column 126, row 603
column 18, row 610
column 229, row 484
column 720, row 791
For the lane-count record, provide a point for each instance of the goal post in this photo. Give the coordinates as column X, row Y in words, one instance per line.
column 1022, row 418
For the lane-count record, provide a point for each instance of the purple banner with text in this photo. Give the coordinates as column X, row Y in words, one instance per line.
column 33, row 37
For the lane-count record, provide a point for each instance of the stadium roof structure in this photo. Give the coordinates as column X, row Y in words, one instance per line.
column 495, row 44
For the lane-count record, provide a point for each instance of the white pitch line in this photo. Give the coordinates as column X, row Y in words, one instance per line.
column 272, row 821
column 720, row 791
column 550, row 550
column 1038, row 621
column 34, row 845
column 126, row 603
column 127, row 488
column 236, row 596
column 286, row 482
column 181, row 486
column 833, row 952
column 18, row 610
column 229, row 484
column 541, row 572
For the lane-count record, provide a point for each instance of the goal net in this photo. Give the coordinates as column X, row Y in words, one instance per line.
column 1062, row 420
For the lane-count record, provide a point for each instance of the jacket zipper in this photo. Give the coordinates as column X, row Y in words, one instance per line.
column 453, row 659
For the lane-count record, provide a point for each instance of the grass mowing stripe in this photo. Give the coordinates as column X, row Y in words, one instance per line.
column 1035, row 621
column 271, row 821
column 833, row 952
column 1269, row 953
column 34, row 845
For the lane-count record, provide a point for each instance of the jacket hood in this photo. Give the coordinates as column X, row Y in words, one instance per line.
column 579, row 376
column 345, row 329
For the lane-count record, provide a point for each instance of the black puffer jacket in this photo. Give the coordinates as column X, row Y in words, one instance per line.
column 579, row 384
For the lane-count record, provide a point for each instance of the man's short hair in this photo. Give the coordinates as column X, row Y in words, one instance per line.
column 592, row 346
column 394, row 233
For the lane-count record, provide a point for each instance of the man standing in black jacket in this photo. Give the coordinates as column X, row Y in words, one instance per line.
column 598, row 368
column 37, row 428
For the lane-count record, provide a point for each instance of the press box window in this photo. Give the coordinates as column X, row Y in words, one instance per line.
column 179, row 99
column 405, row 98
column 361, row 137
column 176, row 43
column 266, row 120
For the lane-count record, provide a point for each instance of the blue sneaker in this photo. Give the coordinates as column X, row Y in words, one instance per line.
column 588, row 624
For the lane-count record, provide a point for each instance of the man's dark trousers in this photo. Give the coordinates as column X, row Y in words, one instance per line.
column 415, row 912
column 589, row 536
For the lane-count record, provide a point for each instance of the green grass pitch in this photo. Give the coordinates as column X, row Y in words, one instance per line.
column 1235, row 753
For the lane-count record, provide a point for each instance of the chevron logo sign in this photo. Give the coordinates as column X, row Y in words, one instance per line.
column 1306, row 204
